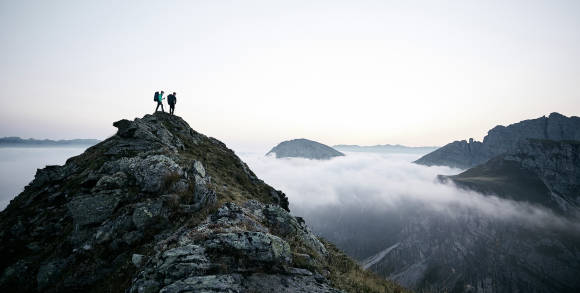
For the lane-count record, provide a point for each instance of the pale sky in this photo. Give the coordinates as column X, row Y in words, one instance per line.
column 254, row 73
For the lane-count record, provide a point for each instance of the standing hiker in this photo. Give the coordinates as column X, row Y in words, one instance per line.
column 172, row 100
column 159, row 98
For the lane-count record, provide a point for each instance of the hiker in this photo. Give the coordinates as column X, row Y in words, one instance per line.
column 159, row 98
column 172, row 100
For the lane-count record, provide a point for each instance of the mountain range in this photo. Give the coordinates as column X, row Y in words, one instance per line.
column 502, row 139
column 17, row 141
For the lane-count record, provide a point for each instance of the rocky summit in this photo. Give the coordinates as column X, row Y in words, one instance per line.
column 503, row 139
column 304, row 148
column 159, row 207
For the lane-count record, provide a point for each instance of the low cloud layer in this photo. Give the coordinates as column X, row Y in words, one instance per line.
column 387, row 182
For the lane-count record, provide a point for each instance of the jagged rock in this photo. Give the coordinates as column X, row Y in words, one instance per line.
column 256, row 246
column 115, row 181
column 147, row 212
column 210, row 283
column 199, row 168
column 502, row 139
column 285, row 224
column 137, row 259
column 90, row 209
column 151, row 174
column 304, row 148
column 235, row 239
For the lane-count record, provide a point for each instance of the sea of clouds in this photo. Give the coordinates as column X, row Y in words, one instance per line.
column 371, row 182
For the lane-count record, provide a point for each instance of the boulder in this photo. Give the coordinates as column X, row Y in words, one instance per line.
column 92, row 209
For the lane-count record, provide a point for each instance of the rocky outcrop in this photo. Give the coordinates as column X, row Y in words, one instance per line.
column 219, row 253
column 542, row 172
column 304, row 148
column 502, row 139
column 159, row 207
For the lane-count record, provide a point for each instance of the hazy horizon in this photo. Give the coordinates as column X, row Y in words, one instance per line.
column 256, row 73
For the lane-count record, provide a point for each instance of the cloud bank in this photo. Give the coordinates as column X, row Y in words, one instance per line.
column 387, row 183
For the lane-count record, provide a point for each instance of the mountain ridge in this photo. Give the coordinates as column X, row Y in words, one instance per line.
column 159, row 207
column 17, row 141
column 501, row 139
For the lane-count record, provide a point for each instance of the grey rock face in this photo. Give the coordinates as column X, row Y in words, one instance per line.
column 115, row 181
column 502, row 139
column 238, row 243
column 557, row 164
column 304, row 148
column 146, row 212
column 543, row 172
column 90, row 209
column 150, row 173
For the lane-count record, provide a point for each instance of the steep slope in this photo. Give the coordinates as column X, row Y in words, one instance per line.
column 159, row 207
column 473, row 253
column 542, row 172
column 304, row 148
column 501, row 139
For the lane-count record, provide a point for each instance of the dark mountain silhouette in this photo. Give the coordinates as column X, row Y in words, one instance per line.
column 304, row 148
column 17, row 141
column 502, row 139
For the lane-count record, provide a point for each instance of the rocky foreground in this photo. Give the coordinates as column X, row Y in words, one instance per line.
column 159, row 207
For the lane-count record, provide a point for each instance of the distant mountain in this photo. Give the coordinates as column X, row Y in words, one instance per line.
column 385, row 148
column 304, row 148
column 502, row 139
column 543, row 172
column 17, row 141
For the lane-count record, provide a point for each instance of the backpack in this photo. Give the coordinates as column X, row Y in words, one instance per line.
column 156, row 97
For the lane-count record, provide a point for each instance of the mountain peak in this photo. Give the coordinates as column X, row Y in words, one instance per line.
column 161, row 207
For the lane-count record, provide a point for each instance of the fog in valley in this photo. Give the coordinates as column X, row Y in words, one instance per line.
column 18, row 166
column 363, row 200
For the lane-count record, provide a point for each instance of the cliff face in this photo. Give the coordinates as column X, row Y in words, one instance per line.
column 542, row 172
column 304, row 148
column 557, row 164
column 501, row 139
column 159, row 207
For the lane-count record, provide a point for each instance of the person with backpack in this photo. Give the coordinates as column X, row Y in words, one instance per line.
column 172, row 100
column 158, row 97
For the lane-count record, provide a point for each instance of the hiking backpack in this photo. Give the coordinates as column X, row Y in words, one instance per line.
column 156, row 97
